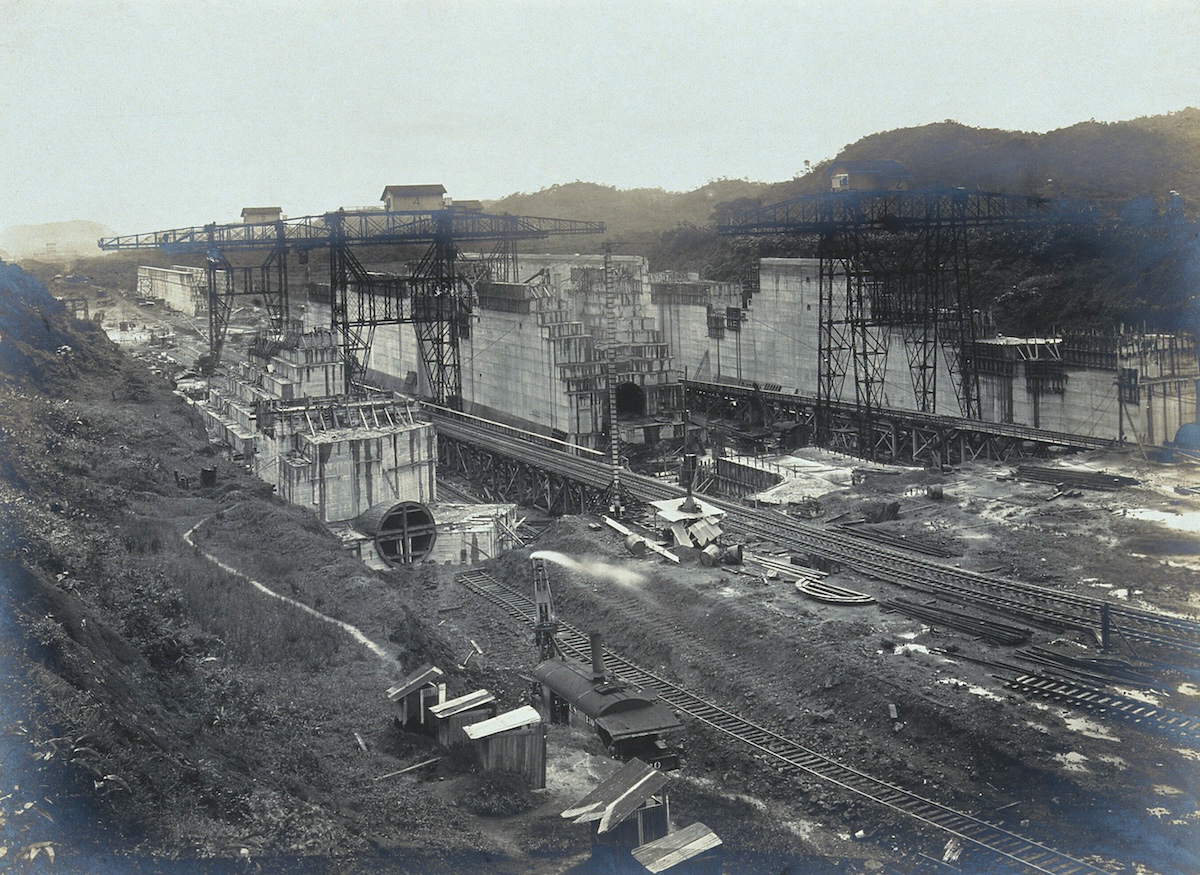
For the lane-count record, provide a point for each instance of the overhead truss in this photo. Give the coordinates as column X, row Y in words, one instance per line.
column 895, row 260
column 436, row 297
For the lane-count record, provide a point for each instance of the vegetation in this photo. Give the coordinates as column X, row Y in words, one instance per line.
column 1138, row 265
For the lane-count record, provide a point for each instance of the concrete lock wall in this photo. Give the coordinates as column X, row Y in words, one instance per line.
column 184, row 289
column 511, row 368
column 779, row 338
column 395, row 361
column 347, row 475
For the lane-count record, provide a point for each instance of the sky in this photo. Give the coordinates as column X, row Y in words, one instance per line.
column 152, row 114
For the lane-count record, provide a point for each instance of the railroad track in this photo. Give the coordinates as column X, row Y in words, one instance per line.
column 1026, row 854
column 1097, row 700
column 1043, row 606
column 1047, row 607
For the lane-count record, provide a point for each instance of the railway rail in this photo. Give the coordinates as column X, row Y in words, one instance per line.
column 1025, row 854
column 1099, row 701
column 1028, row 602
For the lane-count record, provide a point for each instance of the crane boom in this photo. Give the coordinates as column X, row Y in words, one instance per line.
column 357, row 228
column 433, row 298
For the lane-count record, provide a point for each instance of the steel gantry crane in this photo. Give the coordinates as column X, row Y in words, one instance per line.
column 435, row 297
column 896, row 259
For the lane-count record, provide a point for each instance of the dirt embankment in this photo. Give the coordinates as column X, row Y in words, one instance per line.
column 210, row 717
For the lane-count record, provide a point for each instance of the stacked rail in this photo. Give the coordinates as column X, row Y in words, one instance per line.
column 1094, row 480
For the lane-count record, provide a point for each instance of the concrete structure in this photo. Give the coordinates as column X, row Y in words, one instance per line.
column 184, row 289
column 470, row 533
column 339, row 456
column 399, row 198
column 1123, row 385
column 261, row 215
column 558, row 383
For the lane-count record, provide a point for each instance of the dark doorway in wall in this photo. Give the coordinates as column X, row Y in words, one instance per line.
column 631, row 400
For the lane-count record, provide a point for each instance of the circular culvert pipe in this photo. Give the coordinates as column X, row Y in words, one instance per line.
column 403, row 532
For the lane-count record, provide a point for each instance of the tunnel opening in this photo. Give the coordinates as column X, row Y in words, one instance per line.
column 631, row 400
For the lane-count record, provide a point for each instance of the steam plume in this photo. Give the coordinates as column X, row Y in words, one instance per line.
column 592, row 568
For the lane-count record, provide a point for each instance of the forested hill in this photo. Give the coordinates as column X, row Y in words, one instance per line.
column 1113, row 163
column 630, row 211
column 1139, row 269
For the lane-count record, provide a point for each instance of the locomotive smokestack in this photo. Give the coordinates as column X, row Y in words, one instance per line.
column 597, row 658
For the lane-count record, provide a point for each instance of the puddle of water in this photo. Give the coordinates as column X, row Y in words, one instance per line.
column 1178, row 522
column 1139, row 695
column 1086, row 727
column 1072, row 762
column 974, row 690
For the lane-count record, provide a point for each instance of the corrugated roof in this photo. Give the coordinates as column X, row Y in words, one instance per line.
column 412, row 190
column 463, row 703
column 623, row 710
column 677, row 847
column 523, row 716
column 426, row 674
column 619, row 796
column 704, row 531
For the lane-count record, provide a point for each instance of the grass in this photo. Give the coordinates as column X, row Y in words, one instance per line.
column 255, row 629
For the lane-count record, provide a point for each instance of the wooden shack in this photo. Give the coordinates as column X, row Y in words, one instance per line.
column 629, row 809
column 413, row 696
column 693, row 850
column 513, row 742
column 452, row 716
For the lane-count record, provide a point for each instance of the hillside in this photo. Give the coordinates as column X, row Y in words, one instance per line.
column 1113, row 163
column 1134, row 267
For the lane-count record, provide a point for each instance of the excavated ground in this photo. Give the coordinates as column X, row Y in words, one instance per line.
column 198, row 717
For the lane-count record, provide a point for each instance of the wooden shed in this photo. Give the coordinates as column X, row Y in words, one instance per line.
column 693, row 850
column 513, row 742
column 452, row 716
column 629, row 809
column 413, row 696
